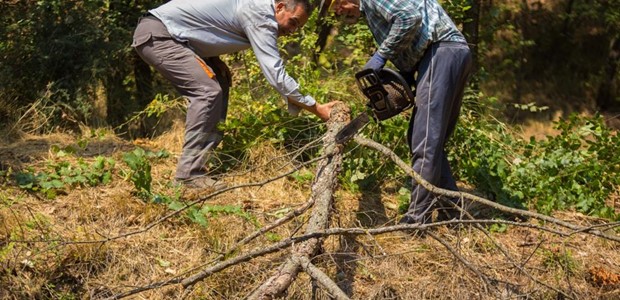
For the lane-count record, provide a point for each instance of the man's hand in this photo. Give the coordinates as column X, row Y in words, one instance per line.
column 376, row 62
column 323, row 111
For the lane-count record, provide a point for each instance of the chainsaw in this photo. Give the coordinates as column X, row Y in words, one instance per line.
column 388, row 94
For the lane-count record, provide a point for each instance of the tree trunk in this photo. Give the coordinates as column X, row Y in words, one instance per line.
column 607, row 91
column 323, row 28
column 471, row 29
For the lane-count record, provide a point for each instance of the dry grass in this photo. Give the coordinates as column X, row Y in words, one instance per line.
column 43, row 254
column 540, row 129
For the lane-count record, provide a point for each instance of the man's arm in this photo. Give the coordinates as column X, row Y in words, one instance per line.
column 322, row 111
column 263, row 38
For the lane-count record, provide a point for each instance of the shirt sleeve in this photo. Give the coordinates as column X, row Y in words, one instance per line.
column 263, row 38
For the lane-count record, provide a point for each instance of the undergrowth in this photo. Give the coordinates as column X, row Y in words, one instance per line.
column 573, row 170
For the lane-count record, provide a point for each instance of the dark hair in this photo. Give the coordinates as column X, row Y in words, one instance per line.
column 292, row 4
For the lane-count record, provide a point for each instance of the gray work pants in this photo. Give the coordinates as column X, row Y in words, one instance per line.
column 442, row 75
column 196, row 80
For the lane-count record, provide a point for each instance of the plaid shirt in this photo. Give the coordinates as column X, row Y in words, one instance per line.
column 403, row 29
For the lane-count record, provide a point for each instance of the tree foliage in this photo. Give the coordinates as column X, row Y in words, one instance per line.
column 73, row 51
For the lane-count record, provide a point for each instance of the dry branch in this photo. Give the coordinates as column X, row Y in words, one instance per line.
column 305, row 246
column 286, row 243
column 329, row 285
column 409, row 170
column 325, row 181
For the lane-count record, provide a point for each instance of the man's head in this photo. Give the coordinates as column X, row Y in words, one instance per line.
column 291, row 15
column 349, row 10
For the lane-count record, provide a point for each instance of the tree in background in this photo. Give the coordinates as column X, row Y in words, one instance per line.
column 71, row 54
column 74, row 56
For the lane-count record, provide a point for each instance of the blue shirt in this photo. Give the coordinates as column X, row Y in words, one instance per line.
column 215, row 27
column 403, row 29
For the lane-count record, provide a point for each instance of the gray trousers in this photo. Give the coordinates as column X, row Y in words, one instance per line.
column 205, row 88
column 442, row 75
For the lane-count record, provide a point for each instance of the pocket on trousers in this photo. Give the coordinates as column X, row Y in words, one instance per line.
column 141, row 39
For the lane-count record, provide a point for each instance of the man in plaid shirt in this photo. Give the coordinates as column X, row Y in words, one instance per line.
column 421, row 40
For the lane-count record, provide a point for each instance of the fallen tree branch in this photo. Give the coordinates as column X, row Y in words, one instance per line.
column 286, row 243
column 326, row 283
column 325, row 181
column 409, row 170
column 306, row 244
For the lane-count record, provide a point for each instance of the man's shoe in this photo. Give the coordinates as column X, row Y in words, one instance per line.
column 448, row 215
column 407, row 219
column 202, row 182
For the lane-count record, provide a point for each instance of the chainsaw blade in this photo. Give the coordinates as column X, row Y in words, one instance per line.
column 349, row 130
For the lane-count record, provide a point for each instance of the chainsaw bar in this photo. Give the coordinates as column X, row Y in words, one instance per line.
column 348, row 131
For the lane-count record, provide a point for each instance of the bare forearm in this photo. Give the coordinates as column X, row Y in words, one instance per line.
column 320, row 110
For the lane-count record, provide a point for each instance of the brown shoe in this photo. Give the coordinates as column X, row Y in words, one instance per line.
column 202, row 182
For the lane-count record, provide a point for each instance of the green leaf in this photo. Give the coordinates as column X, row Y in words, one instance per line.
column 499, row 228
column 157, row 198
column 163, row 263
column 50, row 194
column 106, row 178
column 176, row 205
column 273, row 237
column 198, row 217
column 25, row 180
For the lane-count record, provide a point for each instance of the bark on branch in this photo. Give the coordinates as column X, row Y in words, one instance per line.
column 325, row 182
column 409, row 170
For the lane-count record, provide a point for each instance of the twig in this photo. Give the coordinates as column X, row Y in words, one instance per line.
column 278, row 222
column 326, row 283
column 262, row 251
column 262, row 231
column 409, row 170
column 518, row 266
column 446, row 245
column 501, row 249
column 171, row 214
